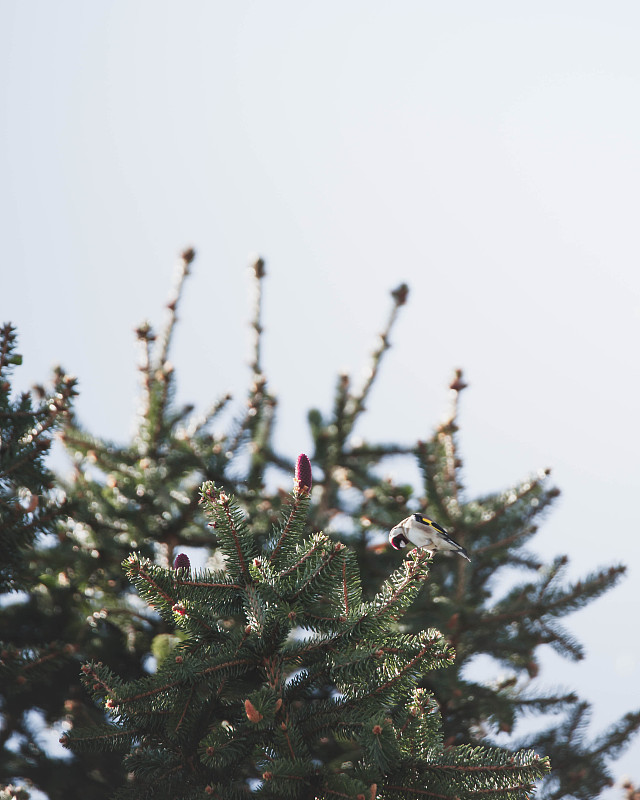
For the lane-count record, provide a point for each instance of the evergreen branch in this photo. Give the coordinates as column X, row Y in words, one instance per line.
column 307, row 555
column 344, row 587
column 407, row 790
column 297, row 500
column 506, row 503
column 29, row 455
column 470, row 768
column 236, row 540
column 43, row 659
column 136, row 568
column 207, row 584
column 199, row 425
column 185, row 709
column 111, row 734
column 165, row 687
column 411, row 569
column 503, row 543
column 617, row 738
column 326, row 561
column 381, row 688
column 245, row 634
column 220, row 504
column 563, row 603
column 418, row 792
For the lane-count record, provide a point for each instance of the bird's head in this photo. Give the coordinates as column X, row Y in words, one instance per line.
column 398, row 538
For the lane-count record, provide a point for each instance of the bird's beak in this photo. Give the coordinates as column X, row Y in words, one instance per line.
column 399, row 540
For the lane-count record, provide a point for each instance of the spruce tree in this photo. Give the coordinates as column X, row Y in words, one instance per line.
column 142, row 497
column 287, row 683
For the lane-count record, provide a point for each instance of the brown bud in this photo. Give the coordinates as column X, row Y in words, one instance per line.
column 253, row 715
column 208, row 789
column 188, row 255
column 278, row 704
column 258, row 266
column 377, row 730
column 400, row 294
column 266, row 776
column 179, row 659
column 458, row 384
column 211, row 750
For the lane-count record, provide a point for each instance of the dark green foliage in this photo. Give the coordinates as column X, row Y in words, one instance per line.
column 32, row 653
column 142, row 497
column 288, row 684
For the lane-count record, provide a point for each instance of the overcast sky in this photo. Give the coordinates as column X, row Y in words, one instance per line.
column 488, row 154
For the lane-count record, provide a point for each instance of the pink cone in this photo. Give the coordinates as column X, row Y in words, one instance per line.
column 303, row 481
column 182, row 561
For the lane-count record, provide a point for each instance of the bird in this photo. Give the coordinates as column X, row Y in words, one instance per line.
column 424, row 532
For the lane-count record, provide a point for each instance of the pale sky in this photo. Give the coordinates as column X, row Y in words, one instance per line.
column 488, row 154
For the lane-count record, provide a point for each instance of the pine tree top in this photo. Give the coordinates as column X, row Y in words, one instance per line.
column 285, row 682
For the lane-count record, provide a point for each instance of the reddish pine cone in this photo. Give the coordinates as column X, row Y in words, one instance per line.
column 303, row 481
column 182, row 561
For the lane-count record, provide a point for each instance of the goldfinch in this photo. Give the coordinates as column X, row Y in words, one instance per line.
column 426, row 533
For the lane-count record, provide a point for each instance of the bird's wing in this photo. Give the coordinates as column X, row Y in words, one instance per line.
column 431, row 523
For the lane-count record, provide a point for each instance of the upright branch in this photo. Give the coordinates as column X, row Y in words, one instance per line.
column 357, row 402
column 157, row 370
column 255, row 429
column 182, row 272
column 331, row 438
column 259, row 272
